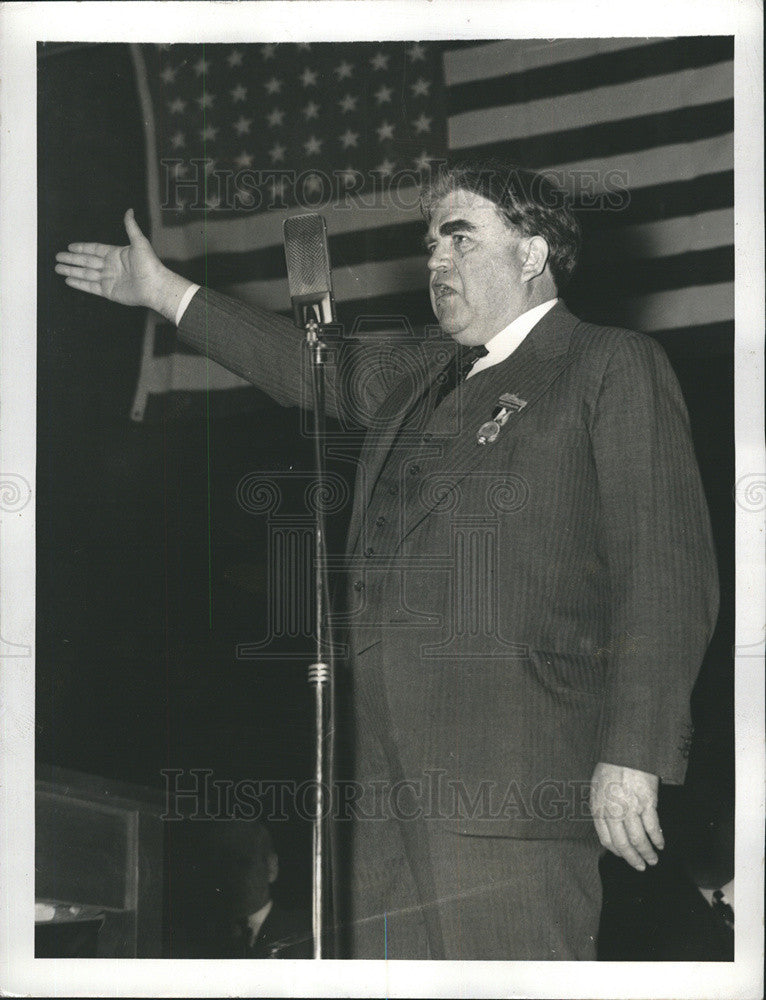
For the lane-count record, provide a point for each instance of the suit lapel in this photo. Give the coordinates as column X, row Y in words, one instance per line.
column 528, row 373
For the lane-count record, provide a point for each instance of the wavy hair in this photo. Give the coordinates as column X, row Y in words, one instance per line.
column 529, row 202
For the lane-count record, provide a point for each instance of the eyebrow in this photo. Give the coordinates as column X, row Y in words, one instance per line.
column 448, row 228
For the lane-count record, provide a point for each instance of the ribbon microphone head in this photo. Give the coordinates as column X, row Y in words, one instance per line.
column 308, row 270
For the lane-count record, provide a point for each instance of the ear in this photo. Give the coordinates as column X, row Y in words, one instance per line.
column 535, row 259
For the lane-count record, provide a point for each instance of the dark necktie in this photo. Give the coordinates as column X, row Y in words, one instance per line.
column 456, row 371
column 446, row 380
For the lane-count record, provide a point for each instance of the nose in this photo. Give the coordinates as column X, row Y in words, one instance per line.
column 439, row 259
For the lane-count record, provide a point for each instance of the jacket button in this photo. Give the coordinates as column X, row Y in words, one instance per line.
column 380, row 521
column 368, row 552
column 359, row 586
column 414, row 470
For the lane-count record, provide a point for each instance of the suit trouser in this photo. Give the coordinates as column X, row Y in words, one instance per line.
column 415, row 889
column 491, row 898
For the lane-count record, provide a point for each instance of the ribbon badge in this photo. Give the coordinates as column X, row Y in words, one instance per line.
column 507, row 404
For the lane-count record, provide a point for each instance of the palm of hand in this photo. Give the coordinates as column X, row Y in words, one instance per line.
column 128, row 274
column 125, row 275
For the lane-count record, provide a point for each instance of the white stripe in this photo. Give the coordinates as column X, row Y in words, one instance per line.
column 360, row 281
column 682, row 307
column 178, row 372
column 683, row 161
column 655, row 311
column 264, row 229
column 653, row 95
column 483, row 62
column 674, row 236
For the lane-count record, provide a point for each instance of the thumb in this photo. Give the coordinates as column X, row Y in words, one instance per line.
column 131, row 227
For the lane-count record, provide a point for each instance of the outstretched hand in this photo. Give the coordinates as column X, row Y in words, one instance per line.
column 623, row 802
column 132, row 275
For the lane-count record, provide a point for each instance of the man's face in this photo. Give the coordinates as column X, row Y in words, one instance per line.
column 475, row 261
column 245, row 881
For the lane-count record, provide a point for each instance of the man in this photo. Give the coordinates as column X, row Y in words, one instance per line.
column 219, row 900
column 529, row 598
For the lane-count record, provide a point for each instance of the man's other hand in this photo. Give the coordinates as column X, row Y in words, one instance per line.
column 624, row 807
column 132, row 275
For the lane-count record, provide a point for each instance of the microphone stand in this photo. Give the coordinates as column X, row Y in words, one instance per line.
column 321, row 674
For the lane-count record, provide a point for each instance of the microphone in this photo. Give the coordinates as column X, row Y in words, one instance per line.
column 308, row 270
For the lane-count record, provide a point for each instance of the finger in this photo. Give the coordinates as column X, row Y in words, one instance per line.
column 93, row 287
column 638, row 838
column 652, row 826
column 131, row 227
column 603, row 833
column 80, row 259
column 83, row 273
column 99, row 249
column 623, row 847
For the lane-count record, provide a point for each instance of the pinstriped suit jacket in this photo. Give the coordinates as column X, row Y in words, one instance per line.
column 538, row 604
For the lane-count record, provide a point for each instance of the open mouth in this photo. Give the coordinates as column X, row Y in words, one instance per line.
column 442, row 291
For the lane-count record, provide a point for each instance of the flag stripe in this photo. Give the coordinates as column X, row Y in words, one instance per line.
column 643, row 62
column 493, row 59
column 673, row 198
column 380, row 267
column 355, row 248
column 350, row 215
column 654, row 95
column 349, row 283
column 182, row 371
column 654, row 274
column 701, row 231
column 706, row 197
column 608, row 139
column 705, row 340
column 696, row 305
column 649, row 167
column 675, row 308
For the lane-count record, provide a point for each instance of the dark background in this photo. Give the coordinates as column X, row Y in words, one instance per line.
column 149, row 573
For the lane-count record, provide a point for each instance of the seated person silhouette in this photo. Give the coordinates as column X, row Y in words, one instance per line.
column 684, row 910
column 219, row 902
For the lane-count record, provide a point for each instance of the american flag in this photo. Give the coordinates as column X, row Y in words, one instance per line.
column 639, row 132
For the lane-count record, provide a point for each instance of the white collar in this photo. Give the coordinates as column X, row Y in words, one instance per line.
column 503, row 344
column 727, row 894
column 256, row 920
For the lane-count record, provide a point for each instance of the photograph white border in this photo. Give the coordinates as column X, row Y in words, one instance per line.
column 22, row 25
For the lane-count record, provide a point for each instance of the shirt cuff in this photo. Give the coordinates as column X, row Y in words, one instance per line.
column 186, row 298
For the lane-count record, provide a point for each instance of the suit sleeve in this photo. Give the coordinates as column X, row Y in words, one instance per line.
column 657, row 543
column 267, row 350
